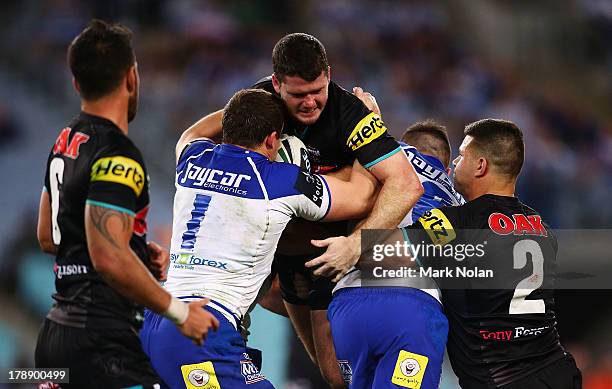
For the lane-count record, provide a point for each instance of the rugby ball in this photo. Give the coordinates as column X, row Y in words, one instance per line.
column 293, row 150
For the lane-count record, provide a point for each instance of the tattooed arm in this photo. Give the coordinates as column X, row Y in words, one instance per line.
column 108, row 240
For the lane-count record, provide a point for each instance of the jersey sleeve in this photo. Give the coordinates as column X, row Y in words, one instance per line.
column 312, row 198
column 193, row 148
column 434, row 227
column 365, row 134
column 117, row 179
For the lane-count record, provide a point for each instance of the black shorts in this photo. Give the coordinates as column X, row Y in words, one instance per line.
column 96, row 358
column 299, row 286
column 561, row 374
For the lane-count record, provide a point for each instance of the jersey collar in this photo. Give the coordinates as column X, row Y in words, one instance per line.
column 86, row 117
column 236, row 151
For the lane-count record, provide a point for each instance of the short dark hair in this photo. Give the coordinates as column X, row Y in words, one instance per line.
column 430, row 138
column 299, row 54
column 99, row 57
column 501, row 142
column 250, row 116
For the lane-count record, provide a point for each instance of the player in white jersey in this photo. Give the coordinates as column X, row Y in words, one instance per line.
column 408, row 350
column 231, row 206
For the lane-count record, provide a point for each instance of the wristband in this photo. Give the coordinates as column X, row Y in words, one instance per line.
column 177, row 311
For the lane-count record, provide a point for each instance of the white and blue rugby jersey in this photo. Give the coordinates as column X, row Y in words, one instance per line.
column 230, row 209
column 439, row 192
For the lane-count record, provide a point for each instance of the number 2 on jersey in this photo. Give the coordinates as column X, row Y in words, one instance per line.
column 56, row 178
column 519, row 304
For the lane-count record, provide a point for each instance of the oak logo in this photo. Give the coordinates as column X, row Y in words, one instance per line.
column 121, row 170
column 69, row 149
column 368, row 129
column 518, row 224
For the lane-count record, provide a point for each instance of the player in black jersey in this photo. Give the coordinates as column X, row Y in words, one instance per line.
column 502, row 325
column 337, row 128
column 92, row 217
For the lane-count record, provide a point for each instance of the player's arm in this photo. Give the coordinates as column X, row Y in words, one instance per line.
column 351, row 199
column 207, row 127
column 400, row 190
column 44, row 231
column 108, row 232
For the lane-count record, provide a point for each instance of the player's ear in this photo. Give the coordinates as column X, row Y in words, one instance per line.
column 76, row 86
column 481, row 167
column 328, row 73
column 276, row 83
column 131, row 79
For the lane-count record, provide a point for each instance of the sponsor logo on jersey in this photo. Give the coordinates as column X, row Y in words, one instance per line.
column 62, row 271
column 310, row 186
column 409, row 369
column 438, row 227
column 250, row 372
column 120, row 170
column 507, row 335
column 192, row 260
column 70, row 150
column 368, row 129
column 200, row 376
column 202, row 177
column 518, row 224
column 346, row 371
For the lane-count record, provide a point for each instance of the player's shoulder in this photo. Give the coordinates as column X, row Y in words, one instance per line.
column 194, row 148
column 345, row 102
column 286, row 179
column 264, row 83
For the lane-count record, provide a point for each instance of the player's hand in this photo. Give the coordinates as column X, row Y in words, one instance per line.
column 367, row 98
column 159, row 261
column 199, row 322
column 342, row 253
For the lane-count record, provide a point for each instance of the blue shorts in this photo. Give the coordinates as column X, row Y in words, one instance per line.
column 388, row 337
column 223, row 361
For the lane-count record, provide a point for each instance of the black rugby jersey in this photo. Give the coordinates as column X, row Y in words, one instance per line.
column 93, row 161
column 346, row 130
column 502, row 325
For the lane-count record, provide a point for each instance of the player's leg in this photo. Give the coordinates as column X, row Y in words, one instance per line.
column 223, row 361
column 413, row 346
column 96, row 359
column 319, row 298
column 300, row 320
column 295, row 285
column 324, row 346
column 347, row 318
